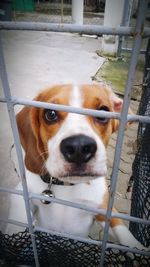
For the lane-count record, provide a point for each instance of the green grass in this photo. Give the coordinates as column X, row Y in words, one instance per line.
column 115, row 71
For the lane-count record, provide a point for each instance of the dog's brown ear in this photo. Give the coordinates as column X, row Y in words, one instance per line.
column 117, row 104
column 117, row 107
column 28, row 126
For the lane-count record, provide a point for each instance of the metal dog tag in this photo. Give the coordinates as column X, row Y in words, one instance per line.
column 47, row 193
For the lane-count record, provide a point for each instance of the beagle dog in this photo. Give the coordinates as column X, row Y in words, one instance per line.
column 71, row 148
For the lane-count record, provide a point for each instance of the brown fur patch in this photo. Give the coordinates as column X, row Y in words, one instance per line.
column 96, row 96
column 33, row 130
column 113, row 221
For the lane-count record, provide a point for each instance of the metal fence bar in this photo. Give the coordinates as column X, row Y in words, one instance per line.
column 11, row 191
column 125, row 22
column 138, row 33
column 3, row 220
column 134, row 57
column 89, row 209
column 64, row 108
column 66, row 235
column 94, row 242
column 75, row 205
column 129, row 50
column 78, row 238
column 127, row 249
column 72, row 28
column 82, row 111
column 13, row 123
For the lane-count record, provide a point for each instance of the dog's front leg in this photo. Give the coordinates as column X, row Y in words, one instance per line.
column 120, row 232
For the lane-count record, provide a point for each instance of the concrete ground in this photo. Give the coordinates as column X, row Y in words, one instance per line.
column 35, row 60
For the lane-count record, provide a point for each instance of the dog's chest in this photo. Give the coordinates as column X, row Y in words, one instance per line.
column 67, row 219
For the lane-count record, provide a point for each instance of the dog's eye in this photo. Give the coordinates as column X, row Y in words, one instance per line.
column 103, row 120
column 50, row 116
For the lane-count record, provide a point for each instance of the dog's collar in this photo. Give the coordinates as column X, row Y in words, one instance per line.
column 48, row 192
column 46, row 178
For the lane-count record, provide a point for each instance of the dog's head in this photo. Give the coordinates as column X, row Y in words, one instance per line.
column 69, row 146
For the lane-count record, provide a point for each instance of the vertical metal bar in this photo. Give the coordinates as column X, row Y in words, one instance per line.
column 10, row 108
column 135, row 52
column 127, row 12
column 125, row 22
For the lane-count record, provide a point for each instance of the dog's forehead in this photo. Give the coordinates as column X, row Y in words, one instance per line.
column 88, row 96
column 56, row 94
column 95, row 95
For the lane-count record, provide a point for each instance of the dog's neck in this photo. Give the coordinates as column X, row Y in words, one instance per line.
column 46, row 178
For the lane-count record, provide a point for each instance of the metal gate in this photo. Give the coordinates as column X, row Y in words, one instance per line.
column 78, row 251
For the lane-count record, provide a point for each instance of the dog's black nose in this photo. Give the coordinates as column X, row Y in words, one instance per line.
column 78, row 148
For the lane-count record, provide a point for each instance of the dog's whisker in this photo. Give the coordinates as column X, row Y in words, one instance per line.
column 43, row 153
column 43, row 168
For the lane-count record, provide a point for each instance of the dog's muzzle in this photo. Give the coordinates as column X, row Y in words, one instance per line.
column 78, row 149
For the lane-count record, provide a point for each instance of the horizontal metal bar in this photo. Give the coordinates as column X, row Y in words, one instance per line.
column 78, row 238
column 3, row 220
column 124, row 49
column 82, row 111
column 92, row 241
column 11, row 191
column 138, row 118
column 67, row 203
column 128, row 249
column 89, row 209
column 66, row 235
column 75, row 205
column 72, row 28
column 64, row 108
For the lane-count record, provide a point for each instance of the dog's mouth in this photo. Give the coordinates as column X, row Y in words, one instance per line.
column 73, row 173
column 77, row 179
column 80, row 177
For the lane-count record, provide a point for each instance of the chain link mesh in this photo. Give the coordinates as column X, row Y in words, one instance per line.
column 55, row 251
column 140, row 205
